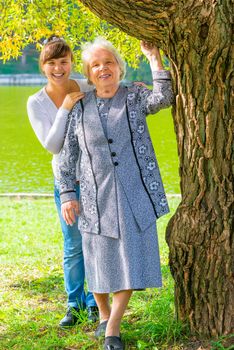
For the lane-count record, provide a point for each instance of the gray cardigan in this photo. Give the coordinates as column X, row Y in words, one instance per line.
column 130, row 106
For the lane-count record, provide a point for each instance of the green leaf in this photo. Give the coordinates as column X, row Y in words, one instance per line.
column 31, row 21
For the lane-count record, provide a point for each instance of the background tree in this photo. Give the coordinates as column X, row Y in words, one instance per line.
column 31, row 22
column 197, row 37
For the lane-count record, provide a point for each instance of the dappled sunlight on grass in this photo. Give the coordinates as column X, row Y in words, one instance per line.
column 32, row 297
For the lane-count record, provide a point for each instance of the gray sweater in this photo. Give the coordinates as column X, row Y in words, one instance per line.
column 125, row 156
column 48, row 121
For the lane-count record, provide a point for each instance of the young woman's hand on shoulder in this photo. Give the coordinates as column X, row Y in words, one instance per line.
column 71, row 99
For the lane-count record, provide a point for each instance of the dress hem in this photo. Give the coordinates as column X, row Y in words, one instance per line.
column 136, row 289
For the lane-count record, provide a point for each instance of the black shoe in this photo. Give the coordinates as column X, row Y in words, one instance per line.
column 101, row 329
column 93, row 313
column 71, row 317
column 113, row 343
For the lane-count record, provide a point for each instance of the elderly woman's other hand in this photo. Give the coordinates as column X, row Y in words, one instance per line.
column 70, row 210
column 153, row 54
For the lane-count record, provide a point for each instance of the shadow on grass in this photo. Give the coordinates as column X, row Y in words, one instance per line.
column 43, row 333
column 41, row 285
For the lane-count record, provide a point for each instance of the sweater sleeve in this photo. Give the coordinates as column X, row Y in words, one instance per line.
column 68, row 159
column 161, row 96
column 50, row 134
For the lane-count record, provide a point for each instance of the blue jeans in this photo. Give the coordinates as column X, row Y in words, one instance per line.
column 73, row 261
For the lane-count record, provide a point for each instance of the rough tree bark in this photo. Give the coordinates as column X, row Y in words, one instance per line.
column 196, row 36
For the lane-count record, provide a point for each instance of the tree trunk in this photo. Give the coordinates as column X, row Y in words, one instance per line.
column 200, row 234
column 197, row 37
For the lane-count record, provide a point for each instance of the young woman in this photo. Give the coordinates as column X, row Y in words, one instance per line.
column 48, row 110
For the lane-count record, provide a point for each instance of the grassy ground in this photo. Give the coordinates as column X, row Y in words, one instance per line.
column 32, row 298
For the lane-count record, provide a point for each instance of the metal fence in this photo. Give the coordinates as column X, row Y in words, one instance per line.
column 22, row 79
column 27, row 79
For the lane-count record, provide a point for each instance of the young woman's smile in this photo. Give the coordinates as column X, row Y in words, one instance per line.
column 58, row 69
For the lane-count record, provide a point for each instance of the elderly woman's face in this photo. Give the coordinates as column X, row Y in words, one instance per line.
column 104, row 70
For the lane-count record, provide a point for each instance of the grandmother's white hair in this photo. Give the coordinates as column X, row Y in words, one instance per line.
column 100, row 43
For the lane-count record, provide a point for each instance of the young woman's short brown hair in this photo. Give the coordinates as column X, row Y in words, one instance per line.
column 54, row 47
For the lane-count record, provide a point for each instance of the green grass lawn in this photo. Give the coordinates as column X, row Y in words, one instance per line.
column 32, row 291
column 26, row 166
column 32, row 297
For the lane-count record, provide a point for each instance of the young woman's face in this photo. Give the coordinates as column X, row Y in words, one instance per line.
column 103, row 69
column 58, row 70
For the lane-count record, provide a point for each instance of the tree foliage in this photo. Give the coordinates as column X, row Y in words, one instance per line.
column 23, row 22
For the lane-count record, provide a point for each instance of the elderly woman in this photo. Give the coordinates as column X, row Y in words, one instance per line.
column 121, row 191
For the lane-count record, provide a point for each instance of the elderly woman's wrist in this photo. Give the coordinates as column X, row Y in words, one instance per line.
column 156, row 63
column 68, row 196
